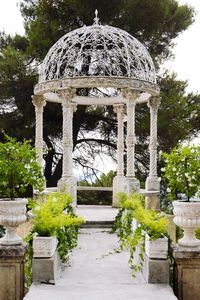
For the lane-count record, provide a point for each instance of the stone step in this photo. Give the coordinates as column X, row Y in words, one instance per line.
column 97, row 224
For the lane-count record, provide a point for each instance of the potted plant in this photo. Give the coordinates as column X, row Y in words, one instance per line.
column 182, row 175
column 18, row 170
column 51, row 220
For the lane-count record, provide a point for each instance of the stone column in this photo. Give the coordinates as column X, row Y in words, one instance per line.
column 119, row 180
column 152, row 183
column 67, row 182
column 132, row 183
column 12, row 272
column 39, row 103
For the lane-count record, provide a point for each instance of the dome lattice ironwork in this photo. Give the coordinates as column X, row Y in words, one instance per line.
column 98, row 50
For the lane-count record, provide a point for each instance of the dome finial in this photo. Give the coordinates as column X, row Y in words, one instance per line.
column 96, row 19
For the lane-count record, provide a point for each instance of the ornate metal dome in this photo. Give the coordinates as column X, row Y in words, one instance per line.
column 98, row 51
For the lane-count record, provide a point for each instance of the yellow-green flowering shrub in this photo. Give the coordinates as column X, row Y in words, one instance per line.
column 53, row 216
column 50, row 215
column 149, row 221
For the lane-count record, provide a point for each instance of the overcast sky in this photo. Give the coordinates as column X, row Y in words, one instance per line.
column 187, row 49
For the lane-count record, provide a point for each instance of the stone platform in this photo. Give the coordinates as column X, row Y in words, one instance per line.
column 98, row 271
column 97, row 216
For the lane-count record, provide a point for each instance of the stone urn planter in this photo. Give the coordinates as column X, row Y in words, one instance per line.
column 12, row 214
column 187, row 216
column 156, row 249
column 44, row 246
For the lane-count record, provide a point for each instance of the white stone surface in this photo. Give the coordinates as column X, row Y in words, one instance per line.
column 12, row 214
column 156, row 249
column 39, row 103
column 187, row 216
column 44, row 246
column 152, row 183
column 97, row 272
column 97, row 213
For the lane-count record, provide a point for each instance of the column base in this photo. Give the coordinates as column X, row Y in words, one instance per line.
column 152, row 200
column 69, row 185
column 152, row 184
column 132, row 185
column 119, row 185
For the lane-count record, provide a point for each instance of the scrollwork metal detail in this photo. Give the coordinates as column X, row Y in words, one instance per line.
column 98, row 50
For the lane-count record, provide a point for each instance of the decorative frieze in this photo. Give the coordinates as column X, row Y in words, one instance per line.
column 89, row 82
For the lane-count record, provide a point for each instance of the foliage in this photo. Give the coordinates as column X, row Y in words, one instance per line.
column 181, row 171
column 148, row 222
column 155, row 23
column 53, row 216
column 198, row 233
column 183, row 109
column 97, row 197
column 18, row 168
column 50, row 215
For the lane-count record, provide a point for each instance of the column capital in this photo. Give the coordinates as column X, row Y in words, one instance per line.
column 119, row 108
column 74, row 106
column 67, row 94
column 130, row 95
column 154, row 102
column 38, row 101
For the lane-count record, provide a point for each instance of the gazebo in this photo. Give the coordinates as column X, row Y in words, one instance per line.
column 106, row 57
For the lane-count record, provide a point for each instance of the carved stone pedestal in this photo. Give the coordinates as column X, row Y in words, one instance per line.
column 156, row 270
column 152, row 200
column 132, row 185
column 152, row 187
column 46, row 270
column 156, row 264
column 119, row 185
column 12, row 272
column 69, row 185
column 186, row 273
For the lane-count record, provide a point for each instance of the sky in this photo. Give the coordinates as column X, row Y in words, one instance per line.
column 187, row 59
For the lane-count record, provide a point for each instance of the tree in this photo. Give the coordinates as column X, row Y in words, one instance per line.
column 97, row 197
column 155, row 23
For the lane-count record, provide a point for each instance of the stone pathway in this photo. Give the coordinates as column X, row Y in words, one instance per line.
column 98, row 272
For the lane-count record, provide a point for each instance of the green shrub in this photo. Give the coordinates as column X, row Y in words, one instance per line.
column 19, row 169
column 53, row 216
column 181, row 171
column 198, row 233
column 149, row 221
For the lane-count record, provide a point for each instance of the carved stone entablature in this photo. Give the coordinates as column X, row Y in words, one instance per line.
column 90, row 82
